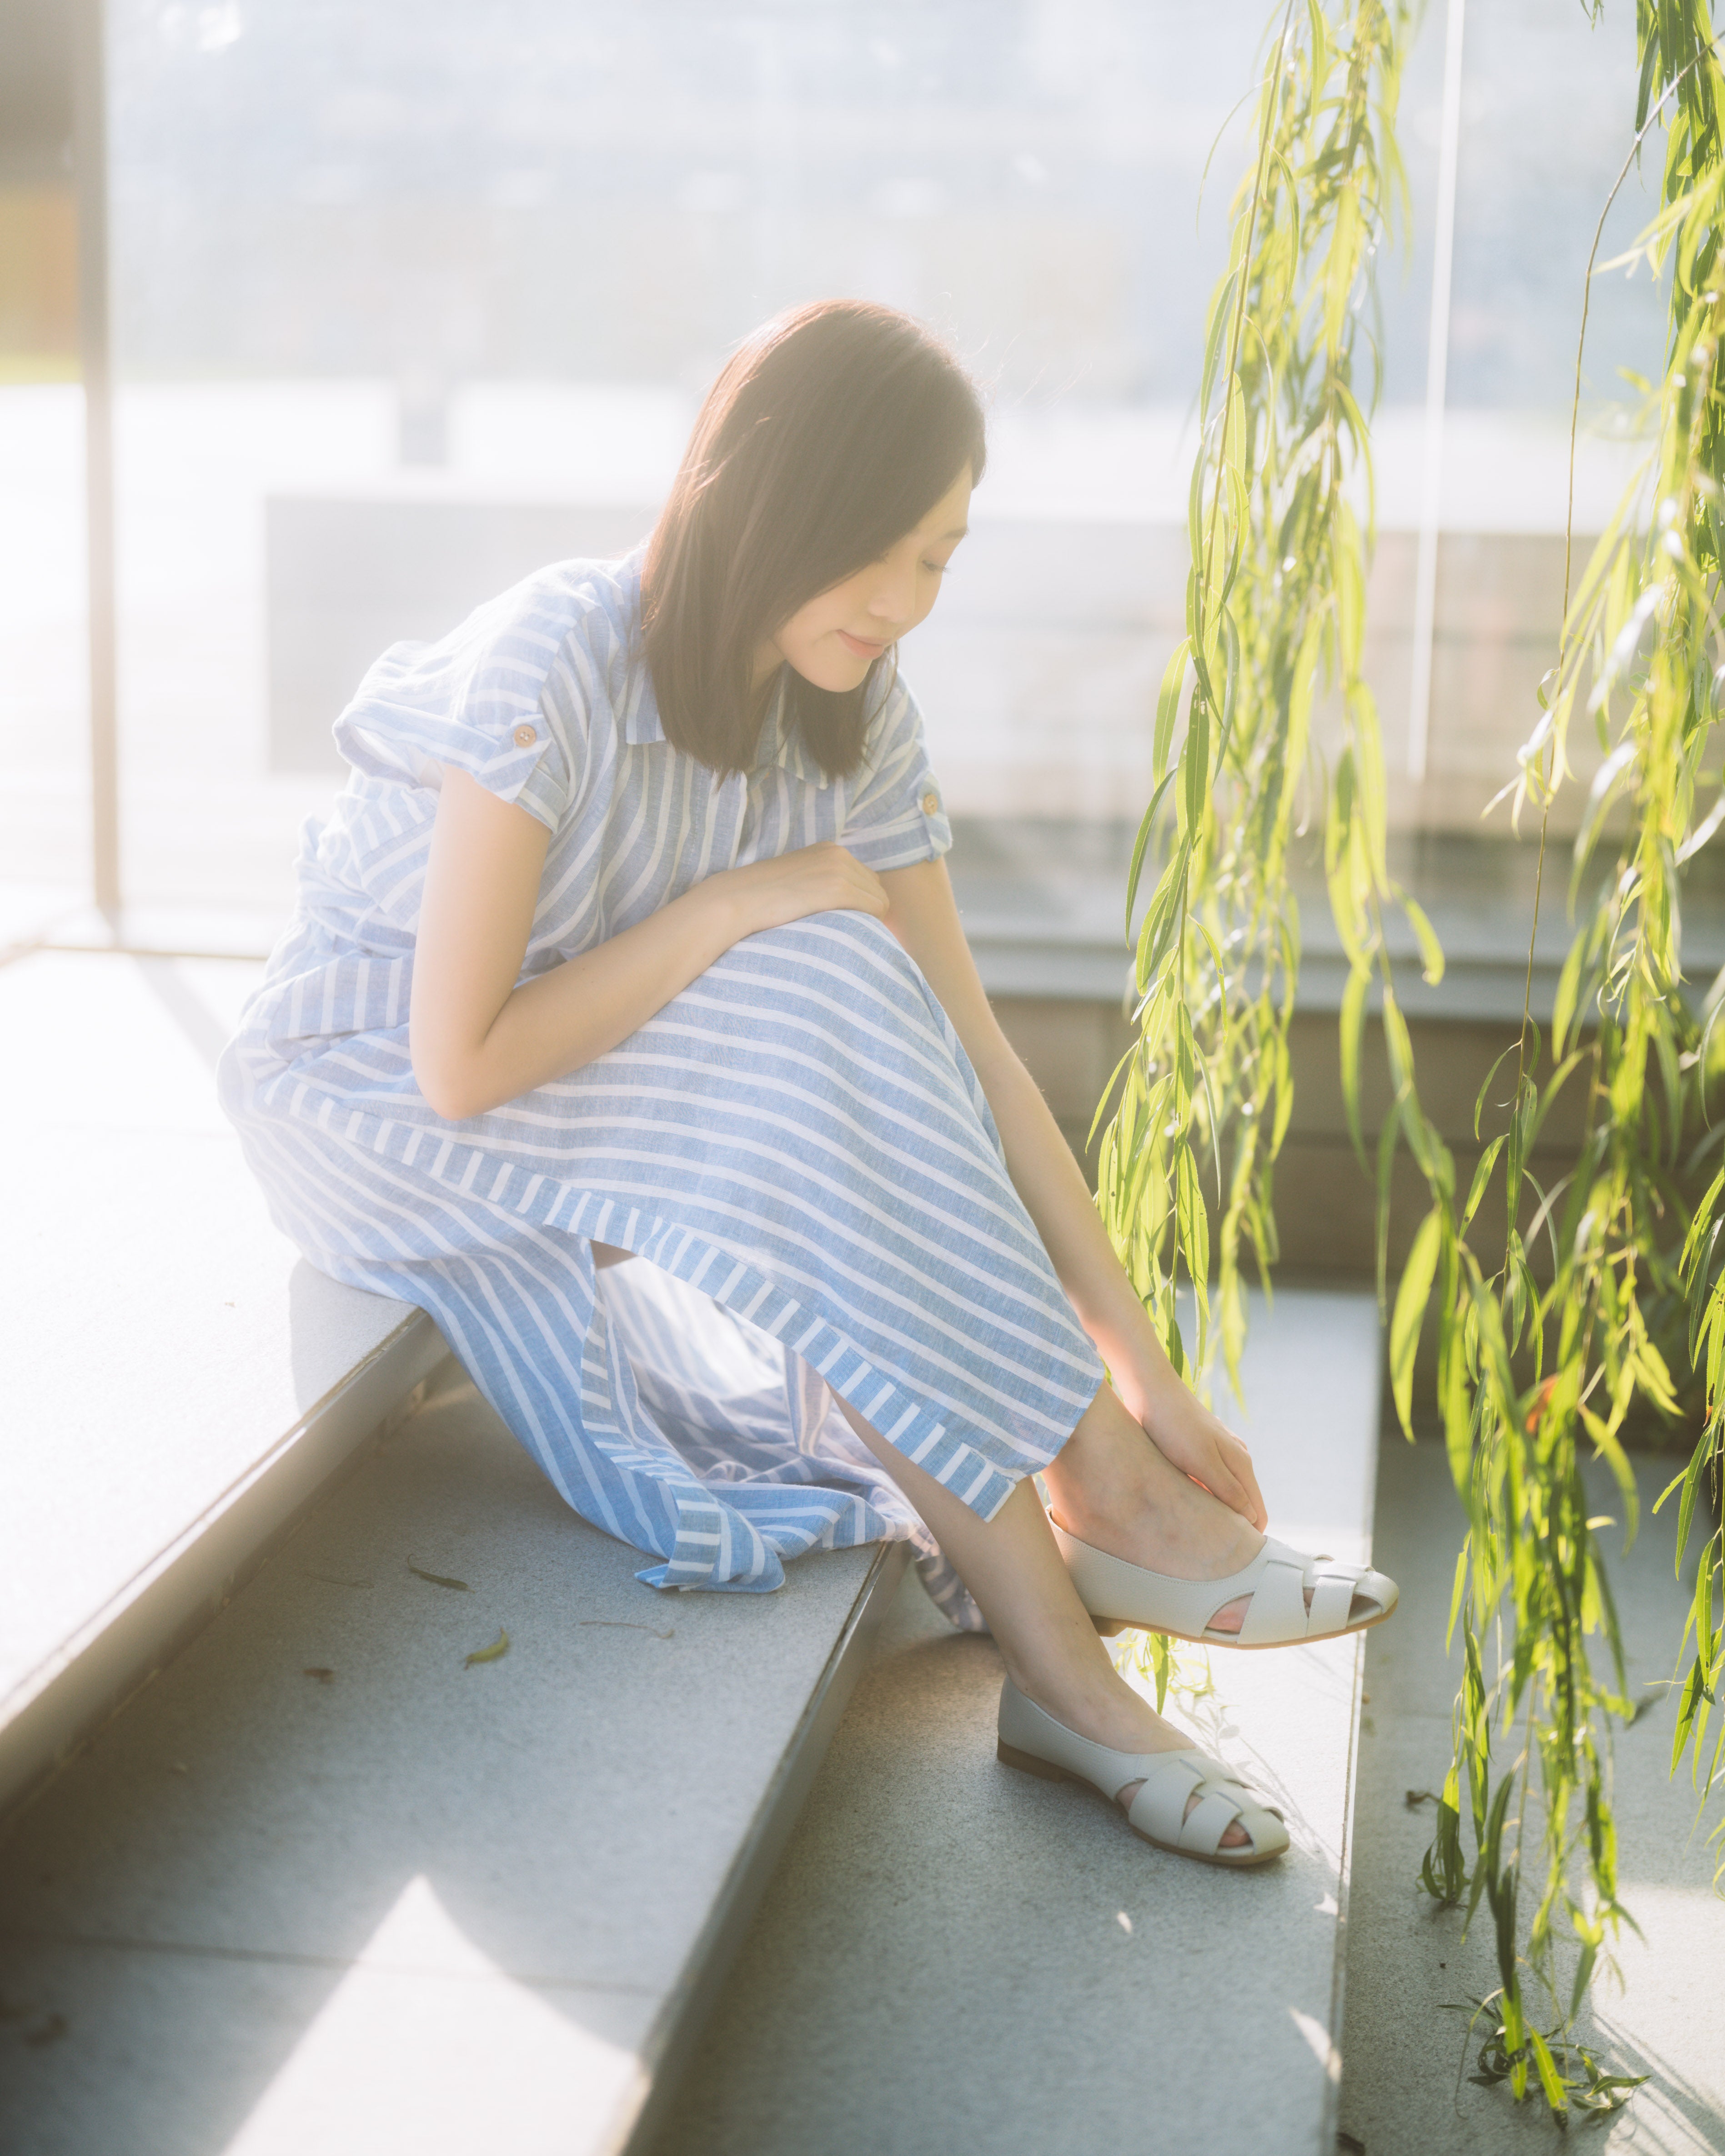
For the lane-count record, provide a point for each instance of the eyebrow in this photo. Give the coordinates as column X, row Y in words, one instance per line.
column 963, row 532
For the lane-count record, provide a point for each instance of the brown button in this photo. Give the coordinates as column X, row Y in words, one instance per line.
column 525, row 736
column 931, row 802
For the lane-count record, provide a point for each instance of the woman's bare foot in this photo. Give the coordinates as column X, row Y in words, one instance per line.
column 1111, row 1487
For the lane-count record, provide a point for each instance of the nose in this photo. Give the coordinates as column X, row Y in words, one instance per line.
column 893, row 600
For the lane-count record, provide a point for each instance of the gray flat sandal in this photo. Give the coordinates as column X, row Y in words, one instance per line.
column 1032, row 1740
column 1117, row 1593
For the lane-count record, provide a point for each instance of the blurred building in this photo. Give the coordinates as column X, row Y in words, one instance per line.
column 404, row 295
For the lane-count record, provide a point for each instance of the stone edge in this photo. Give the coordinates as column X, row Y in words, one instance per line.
column 1327, row 2141
column 54, row 1710
column 692, row 1998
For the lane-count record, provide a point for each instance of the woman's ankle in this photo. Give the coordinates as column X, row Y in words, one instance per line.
column 1064, row 1675
column 1108, row 1471
column 1109, row 1485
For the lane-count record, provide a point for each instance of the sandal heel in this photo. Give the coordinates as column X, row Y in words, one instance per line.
column 1029, row 1764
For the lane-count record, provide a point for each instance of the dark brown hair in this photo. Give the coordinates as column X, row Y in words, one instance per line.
column 831, row 432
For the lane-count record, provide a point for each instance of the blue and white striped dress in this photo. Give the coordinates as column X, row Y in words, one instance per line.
column 797, row 1144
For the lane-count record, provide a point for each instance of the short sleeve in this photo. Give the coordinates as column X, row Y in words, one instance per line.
column 896, row 815
column 497, row 698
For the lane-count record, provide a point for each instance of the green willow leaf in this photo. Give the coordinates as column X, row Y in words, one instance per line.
column 1431, row 951
column 1353, row 1017
column 1167, row 712
column 1412, row 1298
column 1145, row 828
column 1482, row 1181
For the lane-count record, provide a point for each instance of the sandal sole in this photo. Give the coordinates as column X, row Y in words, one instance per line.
column 1110, row 1626
column 1027, row 1763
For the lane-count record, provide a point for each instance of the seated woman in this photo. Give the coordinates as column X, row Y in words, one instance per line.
column 630, row 937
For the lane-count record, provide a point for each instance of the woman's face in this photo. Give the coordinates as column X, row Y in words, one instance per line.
column 835, row 640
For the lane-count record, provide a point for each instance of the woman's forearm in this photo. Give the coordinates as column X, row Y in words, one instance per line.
column 572, row 1014
column 479, row 1035
column 924, row 916
column 1049, row 1180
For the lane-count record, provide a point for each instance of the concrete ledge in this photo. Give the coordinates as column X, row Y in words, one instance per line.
column 1041, row 902
column 125, row 1641
column 692, row 2000
column 184, row 1385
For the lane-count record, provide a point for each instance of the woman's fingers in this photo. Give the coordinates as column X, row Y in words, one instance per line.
column 1237, row 1464
column 1214, row 1456
column 1220, row 1481
column 823, row 878
column 871, row 893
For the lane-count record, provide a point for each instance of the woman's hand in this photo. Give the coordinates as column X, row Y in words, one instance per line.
column 822, row 879
column 1200, row 1445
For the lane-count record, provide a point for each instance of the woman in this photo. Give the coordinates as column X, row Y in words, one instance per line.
column 630, row 937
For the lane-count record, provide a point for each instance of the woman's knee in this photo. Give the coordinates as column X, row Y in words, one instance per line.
column 836, row 937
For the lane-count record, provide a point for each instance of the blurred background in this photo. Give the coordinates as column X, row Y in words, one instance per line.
column 407, row 298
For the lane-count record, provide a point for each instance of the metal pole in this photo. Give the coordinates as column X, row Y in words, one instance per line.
column 89, row 157
column 1437, row 369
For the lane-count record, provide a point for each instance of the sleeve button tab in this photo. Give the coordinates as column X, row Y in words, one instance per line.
column 525, row 736
column 931, row 802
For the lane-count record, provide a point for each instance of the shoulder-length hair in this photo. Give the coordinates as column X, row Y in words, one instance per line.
column 832, row 433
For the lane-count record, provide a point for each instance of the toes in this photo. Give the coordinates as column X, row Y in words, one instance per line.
column 1234, row 1837
column 1358, row 1609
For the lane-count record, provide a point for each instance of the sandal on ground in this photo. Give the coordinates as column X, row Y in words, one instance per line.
column 1031, row 1739
column 1118, row 1594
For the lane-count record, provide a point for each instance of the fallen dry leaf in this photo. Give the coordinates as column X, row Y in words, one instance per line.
column 438, row 1578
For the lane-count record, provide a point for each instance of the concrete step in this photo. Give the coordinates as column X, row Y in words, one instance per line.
column 179, row 1385
column 1407, row 2054
column 955, row 1956
column 280, row 1898
column 325, row 1885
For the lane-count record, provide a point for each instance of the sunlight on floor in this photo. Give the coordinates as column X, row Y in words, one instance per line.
column 425, row 2044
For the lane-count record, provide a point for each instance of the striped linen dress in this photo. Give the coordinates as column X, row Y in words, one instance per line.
column 797, row 1144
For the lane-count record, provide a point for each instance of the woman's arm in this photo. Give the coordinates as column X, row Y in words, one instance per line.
column 925, row 919
column 477, row 1039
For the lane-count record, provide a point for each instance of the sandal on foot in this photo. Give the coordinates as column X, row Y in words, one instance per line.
column 1031, row 1739
column 1118, row 1594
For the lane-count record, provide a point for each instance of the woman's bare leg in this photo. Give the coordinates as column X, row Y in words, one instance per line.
column 1013, row 1566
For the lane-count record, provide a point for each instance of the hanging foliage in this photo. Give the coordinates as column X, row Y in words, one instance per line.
column 1275, row 615
column 1534, row 1382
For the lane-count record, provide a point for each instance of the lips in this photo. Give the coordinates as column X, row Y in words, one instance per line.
column 862, row 647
